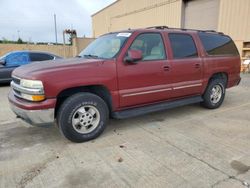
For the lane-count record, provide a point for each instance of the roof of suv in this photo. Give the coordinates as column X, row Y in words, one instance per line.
column 166, row 28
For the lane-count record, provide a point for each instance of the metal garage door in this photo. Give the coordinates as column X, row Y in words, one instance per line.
column 201, row 14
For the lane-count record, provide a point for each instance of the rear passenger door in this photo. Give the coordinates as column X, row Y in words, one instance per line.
column 186, row 65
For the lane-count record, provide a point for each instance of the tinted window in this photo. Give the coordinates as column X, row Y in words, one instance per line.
column 215, row 44
column 17, row 59
column 183, row 45
column 151, row 45
column 40, row 57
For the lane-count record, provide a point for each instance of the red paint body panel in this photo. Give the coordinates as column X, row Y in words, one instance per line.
column 135, row 81
column 131, row 85
column 71, row 73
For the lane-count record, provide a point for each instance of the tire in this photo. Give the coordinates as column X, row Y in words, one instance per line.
column 214, row 94
column 82, row 117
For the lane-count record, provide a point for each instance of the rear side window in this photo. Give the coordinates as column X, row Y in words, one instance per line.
column 215, row 44
column 183, row 45
column 40, row 57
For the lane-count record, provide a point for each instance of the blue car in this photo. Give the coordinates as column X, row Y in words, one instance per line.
column 12, row 60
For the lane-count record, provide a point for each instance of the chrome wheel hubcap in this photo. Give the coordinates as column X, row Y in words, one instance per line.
column 85, row 119
column 216, row 94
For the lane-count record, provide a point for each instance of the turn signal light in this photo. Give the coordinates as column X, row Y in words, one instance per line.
column 38, row 97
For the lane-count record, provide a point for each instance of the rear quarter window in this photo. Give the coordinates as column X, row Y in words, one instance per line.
column 218, row 45
column 40, row 57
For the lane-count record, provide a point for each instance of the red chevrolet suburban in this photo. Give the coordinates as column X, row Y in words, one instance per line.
column 125, row 74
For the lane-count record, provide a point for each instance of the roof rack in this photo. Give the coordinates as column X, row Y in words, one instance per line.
column 183, row 29
column 158, row 27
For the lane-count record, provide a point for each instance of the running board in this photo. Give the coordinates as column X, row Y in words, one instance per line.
column 155, row 107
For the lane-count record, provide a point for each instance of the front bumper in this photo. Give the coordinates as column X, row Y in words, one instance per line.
column 34, row 113
column 34, row 117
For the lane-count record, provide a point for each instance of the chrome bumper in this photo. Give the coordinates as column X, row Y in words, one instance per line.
column 34, row 117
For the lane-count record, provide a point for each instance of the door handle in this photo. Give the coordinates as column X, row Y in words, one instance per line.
column 197, row 65
column 166, row 68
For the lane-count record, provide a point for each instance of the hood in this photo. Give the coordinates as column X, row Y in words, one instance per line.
column 33, row 70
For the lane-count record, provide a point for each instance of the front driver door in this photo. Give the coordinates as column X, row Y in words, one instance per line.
column 145, row 81
column 5, row 73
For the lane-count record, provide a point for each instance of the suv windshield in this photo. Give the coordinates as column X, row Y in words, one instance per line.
column 106, row 46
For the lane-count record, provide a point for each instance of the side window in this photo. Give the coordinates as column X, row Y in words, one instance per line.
column 17, row 59
column 215, row 44
column 183, row 45
column 40, row 57
column 151, row 46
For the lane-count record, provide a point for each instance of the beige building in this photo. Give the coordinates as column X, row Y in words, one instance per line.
column 229, row 16
column 61, row 50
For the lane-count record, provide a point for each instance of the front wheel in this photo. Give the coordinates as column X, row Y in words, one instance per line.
column 214, row 94
column 82, row 117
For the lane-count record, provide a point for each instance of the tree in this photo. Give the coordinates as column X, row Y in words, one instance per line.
column 72, row 34
column 19, row 41
column 5, row 40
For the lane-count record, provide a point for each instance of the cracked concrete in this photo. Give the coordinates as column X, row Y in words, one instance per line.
column 184, row 147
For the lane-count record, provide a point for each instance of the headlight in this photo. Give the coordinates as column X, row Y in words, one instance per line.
column 34, row 84
column 31, row 90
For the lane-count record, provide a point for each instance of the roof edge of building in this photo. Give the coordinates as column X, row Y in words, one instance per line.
column 105, row 8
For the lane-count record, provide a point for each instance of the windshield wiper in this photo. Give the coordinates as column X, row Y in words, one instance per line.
column 91, row 56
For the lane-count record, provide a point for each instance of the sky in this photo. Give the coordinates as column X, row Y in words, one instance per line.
column 33, row 20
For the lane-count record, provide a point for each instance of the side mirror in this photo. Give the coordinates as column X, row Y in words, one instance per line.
column 133, row 56
column 2, row 62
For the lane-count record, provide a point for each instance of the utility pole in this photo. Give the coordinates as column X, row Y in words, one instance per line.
column 55, row 27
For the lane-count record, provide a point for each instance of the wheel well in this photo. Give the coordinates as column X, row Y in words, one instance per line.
column 98, row 90
column 220, row 75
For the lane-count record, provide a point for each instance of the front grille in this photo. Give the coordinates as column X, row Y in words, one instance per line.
column 16, row 92
column 16, row 80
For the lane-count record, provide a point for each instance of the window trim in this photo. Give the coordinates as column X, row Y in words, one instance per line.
column 197, row 51
column 148, row 60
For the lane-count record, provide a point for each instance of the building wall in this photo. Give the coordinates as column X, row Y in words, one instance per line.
column 125, row 14
column 64, row 51
column 234, row 19
column 59, row 50
column 79, row 44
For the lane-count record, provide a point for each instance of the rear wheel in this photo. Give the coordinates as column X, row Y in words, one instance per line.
column 82, row 117
column 214, row 94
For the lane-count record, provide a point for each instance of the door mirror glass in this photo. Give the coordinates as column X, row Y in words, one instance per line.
column 133, row 56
